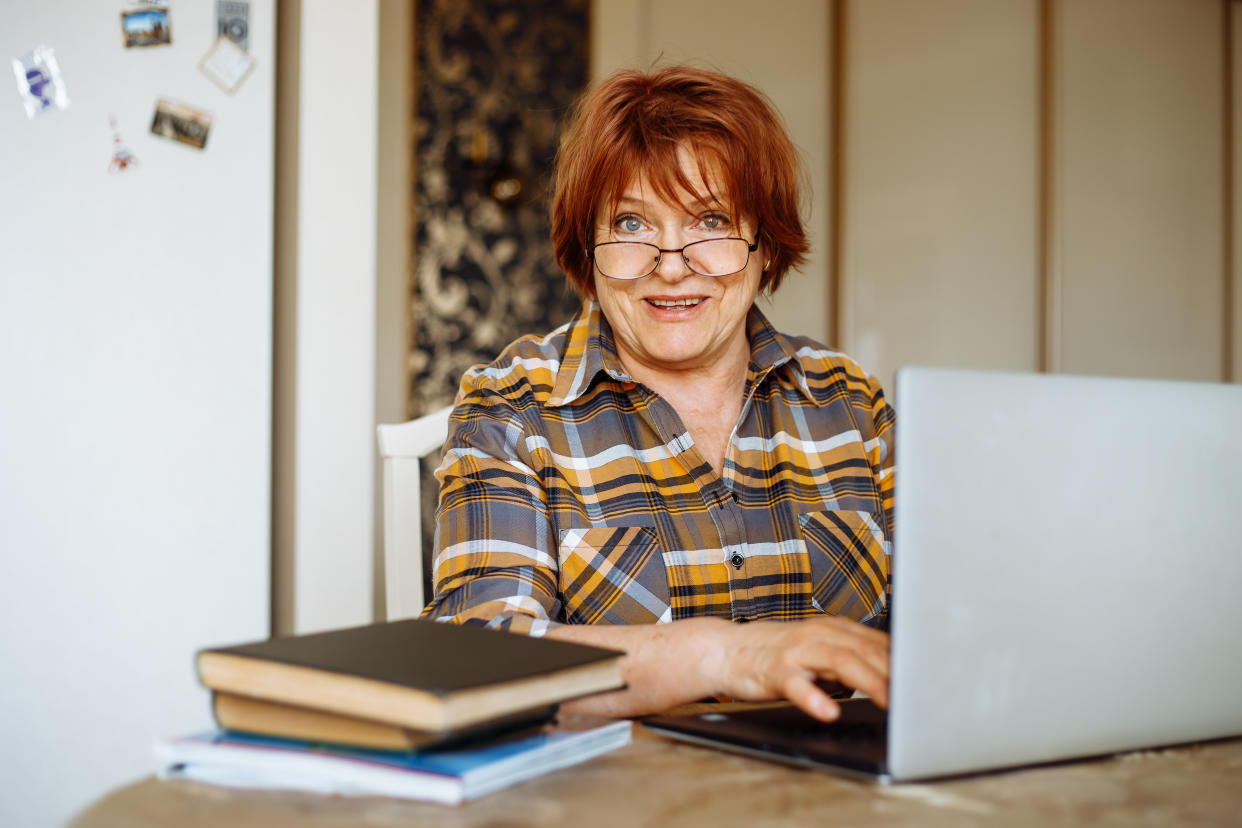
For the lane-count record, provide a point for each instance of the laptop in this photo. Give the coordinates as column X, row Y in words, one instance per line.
column 1067, row 581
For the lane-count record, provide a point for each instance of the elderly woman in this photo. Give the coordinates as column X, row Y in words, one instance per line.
column 667, row 466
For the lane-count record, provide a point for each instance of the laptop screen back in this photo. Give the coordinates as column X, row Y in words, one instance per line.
column 1067, row 568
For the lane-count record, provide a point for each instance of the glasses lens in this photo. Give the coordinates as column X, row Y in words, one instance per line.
column 717, row 257
column 626, row 260
column 634, row 260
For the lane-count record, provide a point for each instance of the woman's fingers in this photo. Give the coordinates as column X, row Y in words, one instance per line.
column 813, row 701
column 860, row 674
column 785, row 659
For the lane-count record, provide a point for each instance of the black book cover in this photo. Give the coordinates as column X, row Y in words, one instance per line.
column 430, row 656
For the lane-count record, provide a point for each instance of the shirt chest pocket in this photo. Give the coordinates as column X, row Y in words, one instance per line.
column 849, row 563
column 613, row 575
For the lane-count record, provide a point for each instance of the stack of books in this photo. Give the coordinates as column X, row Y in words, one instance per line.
column 410, row 708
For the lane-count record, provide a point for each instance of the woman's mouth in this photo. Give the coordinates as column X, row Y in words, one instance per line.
column 672, row 304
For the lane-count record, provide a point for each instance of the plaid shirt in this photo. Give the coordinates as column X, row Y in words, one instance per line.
column 571, row 494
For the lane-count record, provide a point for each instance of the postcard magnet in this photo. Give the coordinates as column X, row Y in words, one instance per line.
column 146, row 26
column 181, row 123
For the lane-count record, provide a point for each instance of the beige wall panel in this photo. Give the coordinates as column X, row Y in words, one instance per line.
column 618, row 36
column 941, row 216
column 783, row 48
column 1138, row 217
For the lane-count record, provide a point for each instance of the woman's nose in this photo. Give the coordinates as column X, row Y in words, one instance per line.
column 672, row 265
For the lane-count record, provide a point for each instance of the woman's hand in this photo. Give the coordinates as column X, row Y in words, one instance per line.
column 685, row 661
column 767, row 660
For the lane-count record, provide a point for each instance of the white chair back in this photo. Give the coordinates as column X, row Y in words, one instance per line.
column 401, row 446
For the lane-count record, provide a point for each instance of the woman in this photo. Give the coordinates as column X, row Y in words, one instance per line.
column 667, row 465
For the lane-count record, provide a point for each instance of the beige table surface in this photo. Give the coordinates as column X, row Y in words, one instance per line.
column 659, row 782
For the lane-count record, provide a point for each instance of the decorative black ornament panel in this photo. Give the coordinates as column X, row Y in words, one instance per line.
column 494, row 80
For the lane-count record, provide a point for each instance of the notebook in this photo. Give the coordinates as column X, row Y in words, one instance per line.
column 1067, row 580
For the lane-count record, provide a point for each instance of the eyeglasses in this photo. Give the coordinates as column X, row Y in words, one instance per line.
column 710, row 257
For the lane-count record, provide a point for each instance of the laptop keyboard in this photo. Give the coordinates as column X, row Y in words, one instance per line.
column 861, row 723
column 857, row 732
column 855, row 743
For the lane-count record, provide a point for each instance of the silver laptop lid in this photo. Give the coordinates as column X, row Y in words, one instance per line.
column 1067, row 568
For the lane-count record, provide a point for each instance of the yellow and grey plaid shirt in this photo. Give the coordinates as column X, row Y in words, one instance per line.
column 571, row 494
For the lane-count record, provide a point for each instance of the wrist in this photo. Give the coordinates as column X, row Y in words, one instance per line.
column 711, row 644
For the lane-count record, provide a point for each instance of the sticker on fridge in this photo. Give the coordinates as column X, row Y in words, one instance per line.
column 39, row 82
column 181, row 123
column 122, row 158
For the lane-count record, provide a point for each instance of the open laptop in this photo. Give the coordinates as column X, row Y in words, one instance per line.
column 1067, row 580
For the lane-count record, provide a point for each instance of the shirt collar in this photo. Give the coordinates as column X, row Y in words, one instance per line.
column 771, row 349
column 591, row 350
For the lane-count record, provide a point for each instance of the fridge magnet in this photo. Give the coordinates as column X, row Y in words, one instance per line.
column 122, row 158
column 181, row 123
column 226, row 64
column 233, row 21
column 39, row 82
column 147, row 26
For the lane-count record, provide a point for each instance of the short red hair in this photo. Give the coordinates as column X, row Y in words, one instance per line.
column 632, row 126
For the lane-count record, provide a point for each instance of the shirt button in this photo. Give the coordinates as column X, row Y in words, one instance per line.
column 736, row 560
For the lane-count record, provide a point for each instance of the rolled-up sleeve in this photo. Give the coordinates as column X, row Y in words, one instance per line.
column 495, row 559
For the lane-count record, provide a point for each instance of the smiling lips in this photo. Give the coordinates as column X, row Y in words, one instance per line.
column 688, row 302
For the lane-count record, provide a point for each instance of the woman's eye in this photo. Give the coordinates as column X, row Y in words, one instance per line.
column 629, row 224
column 714, row 221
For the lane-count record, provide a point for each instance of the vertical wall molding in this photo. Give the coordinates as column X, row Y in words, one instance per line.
column 836, row 169
column 1229, row 368
column 327, row 551
column 1049, row 299
column 285, row 318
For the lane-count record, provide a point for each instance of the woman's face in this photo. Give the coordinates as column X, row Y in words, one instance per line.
column 675, row 319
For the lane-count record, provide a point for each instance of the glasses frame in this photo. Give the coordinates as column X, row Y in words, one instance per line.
column 751, row 247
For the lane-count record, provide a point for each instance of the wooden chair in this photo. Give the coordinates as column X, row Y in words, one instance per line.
column 401, row 446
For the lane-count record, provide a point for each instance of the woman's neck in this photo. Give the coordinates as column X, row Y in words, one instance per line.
column 707, row 398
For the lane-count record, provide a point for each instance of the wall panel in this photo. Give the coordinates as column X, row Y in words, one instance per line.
column 940, row 233
column 1137, row 215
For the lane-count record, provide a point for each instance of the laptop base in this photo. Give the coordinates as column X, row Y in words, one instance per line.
column 855, row 745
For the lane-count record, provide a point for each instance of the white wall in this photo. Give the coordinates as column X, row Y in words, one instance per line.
column 135, row 400
column 327, row 340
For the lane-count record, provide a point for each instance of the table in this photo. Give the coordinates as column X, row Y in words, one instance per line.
column 658, row 782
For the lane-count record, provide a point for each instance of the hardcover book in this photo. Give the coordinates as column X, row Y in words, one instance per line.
column 268, row 718
column 415, row 673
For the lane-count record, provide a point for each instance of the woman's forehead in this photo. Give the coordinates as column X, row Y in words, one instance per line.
column 692, row 187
